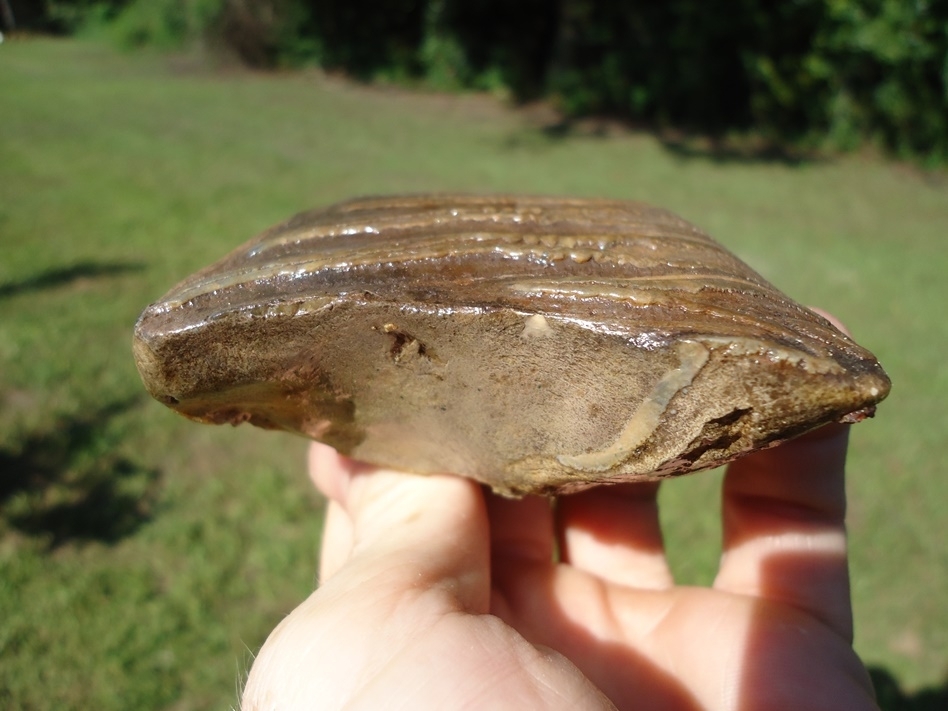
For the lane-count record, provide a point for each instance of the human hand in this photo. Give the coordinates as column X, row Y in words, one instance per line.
column 435, row 594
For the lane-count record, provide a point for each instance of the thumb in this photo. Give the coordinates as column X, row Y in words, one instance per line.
column 414, row 531
column 407, row 550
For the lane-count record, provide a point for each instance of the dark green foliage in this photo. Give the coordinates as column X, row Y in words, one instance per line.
column 166, row 24
column 677, row 62
column 816, row 73
column 259, row 32
column 501, row 42
column 62, row 16
column 836, row 72
column 366, row 37
column 885, row 72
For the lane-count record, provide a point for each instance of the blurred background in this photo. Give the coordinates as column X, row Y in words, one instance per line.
column 144, row 559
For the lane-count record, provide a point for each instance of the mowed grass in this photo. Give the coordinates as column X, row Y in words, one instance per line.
column 143, row 558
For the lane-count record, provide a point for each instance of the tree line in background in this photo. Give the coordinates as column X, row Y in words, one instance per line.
column 808, row 73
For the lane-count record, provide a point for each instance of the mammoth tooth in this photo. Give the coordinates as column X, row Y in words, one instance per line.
column 539, row 345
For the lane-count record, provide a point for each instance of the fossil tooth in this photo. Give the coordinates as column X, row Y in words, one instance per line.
column 539, row 345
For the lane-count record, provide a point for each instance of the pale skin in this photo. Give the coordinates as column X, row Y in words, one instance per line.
column 436, row 594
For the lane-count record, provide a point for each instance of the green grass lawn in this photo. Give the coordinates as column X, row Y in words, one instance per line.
column 143, row 558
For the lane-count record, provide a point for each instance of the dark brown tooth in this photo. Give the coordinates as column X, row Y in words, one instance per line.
column 540, row 345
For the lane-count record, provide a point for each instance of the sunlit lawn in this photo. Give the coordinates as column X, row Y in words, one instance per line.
column 143, row 559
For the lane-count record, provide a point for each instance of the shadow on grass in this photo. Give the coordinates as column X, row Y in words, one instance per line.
column 686, row 146
column 61, row 276
column 64, row 484
column 725, row 151
column 891, row 697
